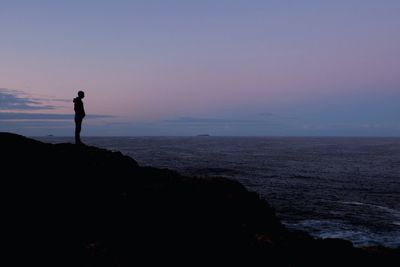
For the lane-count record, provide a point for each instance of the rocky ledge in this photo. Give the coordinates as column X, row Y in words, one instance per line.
column 74, row 205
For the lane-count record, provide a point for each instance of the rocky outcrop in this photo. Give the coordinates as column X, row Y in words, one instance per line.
column 83, row 206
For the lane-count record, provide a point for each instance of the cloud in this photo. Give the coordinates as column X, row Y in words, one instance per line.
column 213, row 120
column 61, row 100
column 17, row 100
column 15, row 116
column 24, row 113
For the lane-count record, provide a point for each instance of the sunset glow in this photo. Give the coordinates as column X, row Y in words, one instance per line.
column 222, row 67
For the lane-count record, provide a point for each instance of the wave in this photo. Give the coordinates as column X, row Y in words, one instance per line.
column 359, row 236
column 395, row 213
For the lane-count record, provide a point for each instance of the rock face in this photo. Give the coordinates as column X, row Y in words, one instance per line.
column 83, row 206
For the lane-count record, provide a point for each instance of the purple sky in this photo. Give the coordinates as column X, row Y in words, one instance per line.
column 221, row 67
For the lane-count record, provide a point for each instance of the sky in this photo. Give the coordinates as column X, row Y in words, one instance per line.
column 188, row 67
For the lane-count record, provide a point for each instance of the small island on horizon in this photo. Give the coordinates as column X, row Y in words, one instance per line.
column 86, row 206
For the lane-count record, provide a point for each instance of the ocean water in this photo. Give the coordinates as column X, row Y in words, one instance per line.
column 330, row 187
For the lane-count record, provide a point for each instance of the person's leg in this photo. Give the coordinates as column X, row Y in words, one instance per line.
column 78, row 126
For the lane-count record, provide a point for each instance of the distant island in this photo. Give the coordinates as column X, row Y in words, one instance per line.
column 203, row 135
column 72, row 205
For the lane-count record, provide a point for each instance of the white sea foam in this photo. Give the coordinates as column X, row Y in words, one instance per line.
column 393, row 212
column 359, row 236
column 352, row 203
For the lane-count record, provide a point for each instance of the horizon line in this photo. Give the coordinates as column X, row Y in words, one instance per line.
column 202, row 136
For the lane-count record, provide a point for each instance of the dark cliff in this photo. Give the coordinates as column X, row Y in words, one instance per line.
column 83, row 206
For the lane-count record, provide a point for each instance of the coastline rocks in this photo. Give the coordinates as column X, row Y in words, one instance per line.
column 84, row 206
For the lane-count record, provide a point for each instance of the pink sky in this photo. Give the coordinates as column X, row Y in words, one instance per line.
column 327, row 64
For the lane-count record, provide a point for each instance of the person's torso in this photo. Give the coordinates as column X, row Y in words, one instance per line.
column 78, row 107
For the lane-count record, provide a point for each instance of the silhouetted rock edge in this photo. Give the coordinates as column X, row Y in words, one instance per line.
column 88, row 206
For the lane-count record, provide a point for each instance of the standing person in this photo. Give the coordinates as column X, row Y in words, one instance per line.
column 79, row 115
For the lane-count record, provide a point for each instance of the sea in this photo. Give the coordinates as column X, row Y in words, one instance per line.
column 345, row 188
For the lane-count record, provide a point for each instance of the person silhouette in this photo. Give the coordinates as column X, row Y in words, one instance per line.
column 79, row 115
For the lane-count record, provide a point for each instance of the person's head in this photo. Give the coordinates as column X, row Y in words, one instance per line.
column 81, row 94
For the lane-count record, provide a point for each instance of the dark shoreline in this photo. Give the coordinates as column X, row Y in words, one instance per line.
column 316, row 190
column 93, row 207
